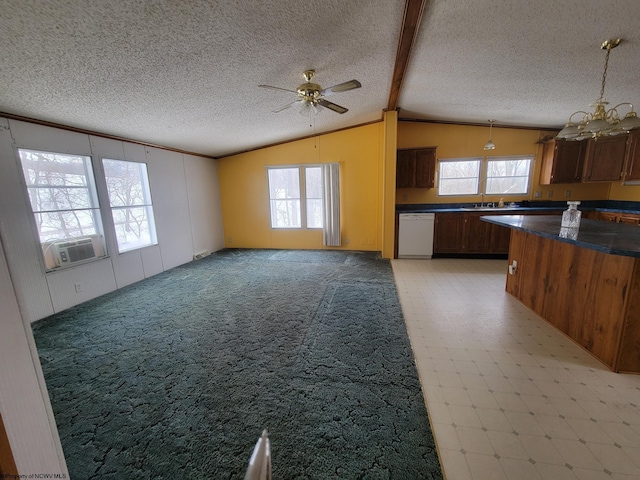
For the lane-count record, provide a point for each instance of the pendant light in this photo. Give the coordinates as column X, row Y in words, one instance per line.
column 490, row 145
column 601, row 122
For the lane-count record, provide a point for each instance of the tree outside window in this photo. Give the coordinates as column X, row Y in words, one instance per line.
column 130, row 201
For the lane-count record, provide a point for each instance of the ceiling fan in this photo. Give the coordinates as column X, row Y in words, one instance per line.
column 310, row 94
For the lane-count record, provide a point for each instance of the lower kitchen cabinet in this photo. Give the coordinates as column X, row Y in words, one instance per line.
column 465, row 233
column 616, row 217
column 448, row 234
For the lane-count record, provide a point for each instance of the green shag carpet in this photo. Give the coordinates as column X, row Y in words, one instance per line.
column 176, row 376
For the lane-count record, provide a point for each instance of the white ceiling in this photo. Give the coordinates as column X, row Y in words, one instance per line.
column 184, row 73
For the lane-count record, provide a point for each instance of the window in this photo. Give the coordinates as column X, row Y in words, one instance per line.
column 62, row 192
column 284, row 196
column 313, row 194
column 130, row 201
column 459, row 176
column 508, row 175
column 288, row 201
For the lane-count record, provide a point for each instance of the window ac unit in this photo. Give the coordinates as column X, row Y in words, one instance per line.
column 62, row 253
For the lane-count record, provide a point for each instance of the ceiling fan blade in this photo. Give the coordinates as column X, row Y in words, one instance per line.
column 277, row 88
column 332, row 106
column 285, row 107
column 341, row 87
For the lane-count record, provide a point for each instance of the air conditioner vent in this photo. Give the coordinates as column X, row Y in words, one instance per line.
column 61, row 253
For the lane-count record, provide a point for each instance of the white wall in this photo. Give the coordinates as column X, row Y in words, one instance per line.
column 24, row 403
column 186, row 204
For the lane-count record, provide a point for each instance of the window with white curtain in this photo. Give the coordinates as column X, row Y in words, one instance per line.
column 459, row 176
column 306, row 196
column 294, row 193
column 508, row 175
column 130, row 202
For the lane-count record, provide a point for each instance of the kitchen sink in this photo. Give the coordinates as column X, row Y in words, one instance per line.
column 489, row 209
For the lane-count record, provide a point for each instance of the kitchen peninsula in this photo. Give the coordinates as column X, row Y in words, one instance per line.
column 586, row 283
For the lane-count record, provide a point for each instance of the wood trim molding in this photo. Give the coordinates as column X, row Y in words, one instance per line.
column 471, row 124
column 46, row 123
column 410, row 24
column 8, row 467
column 297, row 139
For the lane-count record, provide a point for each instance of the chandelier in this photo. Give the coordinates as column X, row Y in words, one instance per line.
column 490, row 145
column 601, row 122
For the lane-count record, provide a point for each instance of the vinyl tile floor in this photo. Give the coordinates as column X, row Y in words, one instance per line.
column 508, row 395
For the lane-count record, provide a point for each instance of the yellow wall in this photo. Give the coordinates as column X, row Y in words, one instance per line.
column 245, row 198
column 624, row 192
column 459, row 141
column 367, row 180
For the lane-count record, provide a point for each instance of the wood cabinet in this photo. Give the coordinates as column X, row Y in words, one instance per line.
column 448, row 233
column 416, row 168
column 465, row 233
column 476, row 234
column 616, row 217
column 562, row 162
column 604, row 159
column 591, row 296
column 632, row 157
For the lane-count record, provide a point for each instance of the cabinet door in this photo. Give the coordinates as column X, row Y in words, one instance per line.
column 632, row 170
column 629, row 219
column 448, row 234
column 406, row 169
column 568, row 160
column 608, row 216
column 499, row 238
column 476, row 234
column 425, row 167
column 604, row 160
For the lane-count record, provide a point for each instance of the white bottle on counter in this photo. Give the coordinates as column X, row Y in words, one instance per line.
column 571, row 216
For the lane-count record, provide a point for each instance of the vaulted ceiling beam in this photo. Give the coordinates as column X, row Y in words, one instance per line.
column 410, row 24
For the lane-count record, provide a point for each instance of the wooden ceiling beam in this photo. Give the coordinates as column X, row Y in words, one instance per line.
column 410, row 24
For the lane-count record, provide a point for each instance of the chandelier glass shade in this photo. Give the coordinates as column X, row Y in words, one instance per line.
column 602, row 121
column 490, row 145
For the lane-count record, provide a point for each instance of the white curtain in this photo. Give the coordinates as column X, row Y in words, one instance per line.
column 331, row 203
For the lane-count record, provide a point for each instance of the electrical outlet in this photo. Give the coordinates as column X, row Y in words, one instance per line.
column 405, row 198
column 78, row 287
column 346, row 241
column 567, row 193
column 537, row 194
column 229, row 239
column 549, row 193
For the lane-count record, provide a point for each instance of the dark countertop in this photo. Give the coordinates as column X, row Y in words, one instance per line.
column 607, row 237
column 523, row 206
column 486, row 210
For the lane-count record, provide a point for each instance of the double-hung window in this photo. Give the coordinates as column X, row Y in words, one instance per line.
column 459, row 176
column 63, row 195
column 306, row 197
column 130, row 201
column 508, row 175
column 64, row 202
column 295, row 197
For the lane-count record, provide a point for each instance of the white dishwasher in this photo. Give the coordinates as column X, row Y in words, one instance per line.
column 415, row 235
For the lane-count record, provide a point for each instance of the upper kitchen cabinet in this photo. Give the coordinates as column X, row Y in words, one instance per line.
column 605, row 159
column 632, row 160
column 562, row 162
column 416, row 168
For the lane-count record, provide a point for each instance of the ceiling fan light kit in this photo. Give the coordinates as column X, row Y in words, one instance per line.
column 601, row 122
column 310, row 95
column 490, row 145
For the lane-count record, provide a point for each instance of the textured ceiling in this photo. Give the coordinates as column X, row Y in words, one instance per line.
column 184, row 74
column 521, row 62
